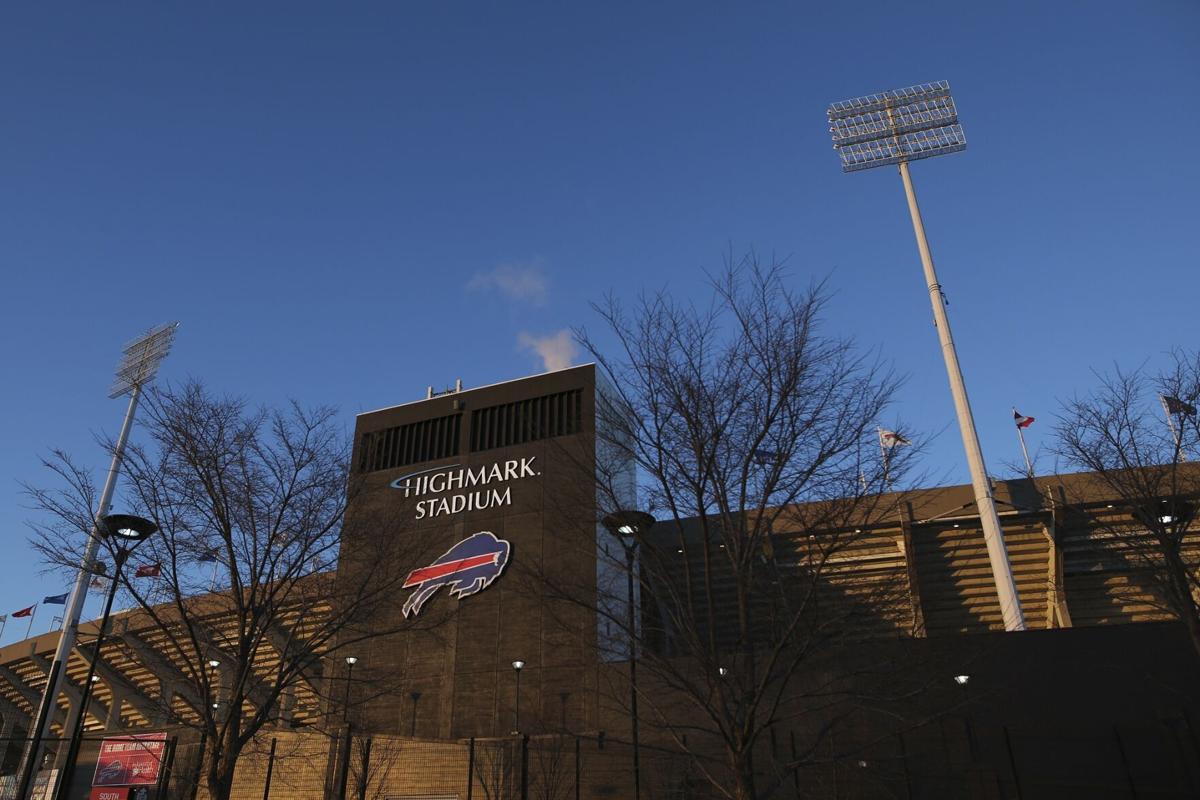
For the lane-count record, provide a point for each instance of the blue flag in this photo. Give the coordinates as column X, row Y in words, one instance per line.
column 765, row 457
column 56, row 599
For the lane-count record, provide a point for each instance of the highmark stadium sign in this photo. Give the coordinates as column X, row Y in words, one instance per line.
column 462, row 488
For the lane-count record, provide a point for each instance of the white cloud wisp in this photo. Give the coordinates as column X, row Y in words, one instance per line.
column 524, row 282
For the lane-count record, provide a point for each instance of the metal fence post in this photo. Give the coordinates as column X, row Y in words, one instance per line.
column 1125, row 762
column 344, row 769
column 1012, row 762
column 364, row 770
column 525, row 766
column 470, row 766
column 199, row 764
column 164, row 768
column 270, row 770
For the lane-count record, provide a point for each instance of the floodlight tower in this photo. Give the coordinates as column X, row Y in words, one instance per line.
column 139, row 364
column 895, row 127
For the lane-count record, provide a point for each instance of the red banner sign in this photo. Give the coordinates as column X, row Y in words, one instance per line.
column 126, row 760
column 109, row 794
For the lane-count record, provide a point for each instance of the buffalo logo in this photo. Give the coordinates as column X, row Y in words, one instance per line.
column 467, row 568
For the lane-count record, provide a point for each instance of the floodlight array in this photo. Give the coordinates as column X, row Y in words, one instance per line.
column 889, row 99
column 141, row 357
column 909, row 147
column 895, row 126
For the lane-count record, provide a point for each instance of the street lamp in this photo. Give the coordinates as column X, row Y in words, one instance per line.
column 627, row 526
column 344, row 773
column 517, row 667
column 350, row 662
column 895, row 127
column 123, row 532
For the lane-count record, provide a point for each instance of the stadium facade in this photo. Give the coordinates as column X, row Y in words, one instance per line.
column 492, row 487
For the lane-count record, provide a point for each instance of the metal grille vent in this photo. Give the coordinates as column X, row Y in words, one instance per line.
column 524, row 421
column 427, row 440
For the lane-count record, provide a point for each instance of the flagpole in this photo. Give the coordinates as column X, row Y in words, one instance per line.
column 32, row 617
column 883, row 454
column 3, row 624
column 1175, row 434
column 1024, row 449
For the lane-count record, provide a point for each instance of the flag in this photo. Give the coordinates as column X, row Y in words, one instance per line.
column 56, row 599
column 765, row 457
column 25, row 612
column 1176, row 406
column 148, row 571
column 1022, row 421
column 208, row 557
column 97, row 583
column 889, row 439
column 3, row 617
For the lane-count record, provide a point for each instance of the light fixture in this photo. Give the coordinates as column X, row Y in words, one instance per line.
column 95, row 678
column 518, row 665
column 722, row 671
column 212, row 662
column 126, row 527
column 351, row 660
column 896, row 126
column 961, row 680
column 628, row 523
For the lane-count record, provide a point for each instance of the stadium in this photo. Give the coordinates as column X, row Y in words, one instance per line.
column 504, row 667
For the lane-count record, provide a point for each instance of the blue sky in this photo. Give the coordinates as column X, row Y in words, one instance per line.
column 345, row 205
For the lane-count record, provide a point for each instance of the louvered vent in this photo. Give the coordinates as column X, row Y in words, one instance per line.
column 524, row 421
column 427, row 440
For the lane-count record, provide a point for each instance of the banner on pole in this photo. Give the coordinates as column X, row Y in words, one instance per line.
column 126, row 760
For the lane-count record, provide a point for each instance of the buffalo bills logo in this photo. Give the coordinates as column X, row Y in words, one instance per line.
column 467, row 568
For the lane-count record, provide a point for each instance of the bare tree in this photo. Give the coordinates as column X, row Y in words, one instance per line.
column 255, row 601
column 754, row 439
column 1135, row 434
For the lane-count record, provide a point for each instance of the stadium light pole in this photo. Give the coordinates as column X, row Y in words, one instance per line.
column 124, row 532
column 896, row 127
column 627, row 526
column 139, row 364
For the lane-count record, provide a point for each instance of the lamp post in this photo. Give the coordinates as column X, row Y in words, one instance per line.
column 412, row 727
column 139, row 364
column 344, row 773
column 895, row 127
column 124, row 533
column 627, row 526
column 350, row 662
column 517, row 667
